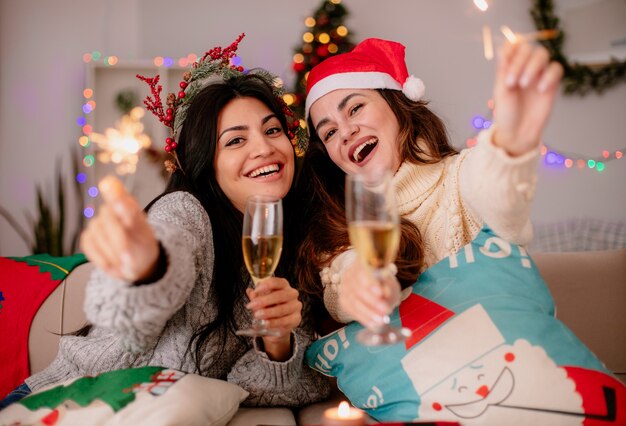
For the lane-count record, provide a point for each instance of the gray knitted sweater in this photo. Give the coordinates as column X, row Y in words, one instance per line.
column 152, row 324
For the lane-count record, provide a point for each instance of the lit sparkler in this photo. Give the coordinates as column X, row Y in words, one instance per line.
column 121, row 145
column 481, row 4
column 487, row 43
column 534, row 36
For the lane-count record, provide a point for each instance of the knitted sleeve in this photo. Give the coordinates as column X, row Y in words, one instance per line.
column 331, row 280
column 138, row 313
column 270, row 383
column 291, row 383
column 500, row 188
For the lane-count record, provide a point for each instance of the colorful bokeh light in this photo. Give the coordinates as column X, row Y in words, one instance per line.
column 551, row 157
column 89, row 160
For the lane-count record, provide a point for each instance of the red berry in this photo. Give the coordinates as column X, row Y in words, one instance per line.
column 173, row 145
column 169, row 141
column 240, row 68
column 169, row 117
column 181, row 94
column 183, row 84
column 169, row 111
column 168, row 148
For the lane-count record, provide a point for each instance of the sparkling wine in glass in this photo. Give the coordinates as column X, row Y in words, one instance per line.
column 373, row 226
column 262, row 244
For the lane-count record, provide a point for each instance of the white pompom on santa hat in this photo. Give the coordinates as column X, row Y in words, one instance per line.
column 372, row 64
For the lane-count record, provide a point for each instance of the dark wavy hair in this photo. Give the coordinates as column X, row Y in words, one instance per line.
column 197, row 145
column 324, row 233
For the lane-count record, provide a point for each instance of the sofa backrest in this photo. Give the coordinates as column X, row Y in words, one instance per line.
column 589, row 290
column 61, row 313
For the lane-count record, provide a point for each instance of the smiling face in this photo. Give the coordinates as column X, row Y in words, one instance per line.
column 359, row 130
column 253, row 155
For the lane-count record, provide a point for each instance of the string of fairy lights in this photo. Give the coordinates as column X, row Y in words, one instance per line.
column 552, row 157
column 89, row 106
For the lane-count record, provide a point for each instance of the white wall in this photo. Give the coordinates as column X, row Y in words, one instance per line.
column 42, row 77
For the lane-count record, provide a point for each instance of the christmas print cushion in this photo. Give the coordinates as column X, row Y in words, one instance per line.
column 485, row 348
column 144, row 395
column 25, row 283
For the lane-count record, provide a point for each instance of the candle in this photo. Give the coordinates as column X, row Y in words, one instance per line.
column 344, row 415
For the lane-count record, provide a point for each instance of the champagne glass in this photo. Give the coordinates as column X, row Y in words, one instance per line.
column 373, row 226
column 262, row 244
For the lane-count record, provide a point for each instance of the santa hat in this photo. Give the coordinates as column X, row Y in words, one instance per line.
column 372, row 64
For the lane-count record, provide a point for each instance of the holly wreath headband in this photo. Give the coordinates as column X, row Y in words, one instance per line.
column 215, row 64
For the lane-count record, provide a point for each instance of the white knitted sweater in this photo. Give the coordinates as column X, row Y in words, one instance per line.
column 451, row 201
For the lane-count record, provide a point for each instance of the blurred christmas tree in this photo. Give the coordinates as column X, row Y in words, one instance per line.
column 325, row 36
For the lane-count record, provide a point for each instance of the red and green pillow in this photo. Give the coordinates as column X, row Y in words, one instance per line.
column 143, row 395
column 25, row 283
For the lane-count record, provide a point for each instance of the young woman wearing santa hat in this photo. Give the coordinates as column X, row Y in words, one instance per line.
column 366, row 113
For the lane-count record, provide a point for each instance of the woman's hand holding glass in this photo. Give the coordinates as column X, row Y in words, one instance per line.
column 374, row 229
column 276, row 303
column 366, row 299
column 119, row 239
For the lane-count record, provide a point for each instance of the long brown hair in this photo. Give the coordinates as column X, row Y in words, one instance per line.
column 324, row 233
column 196, row 150
column 417, row 122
